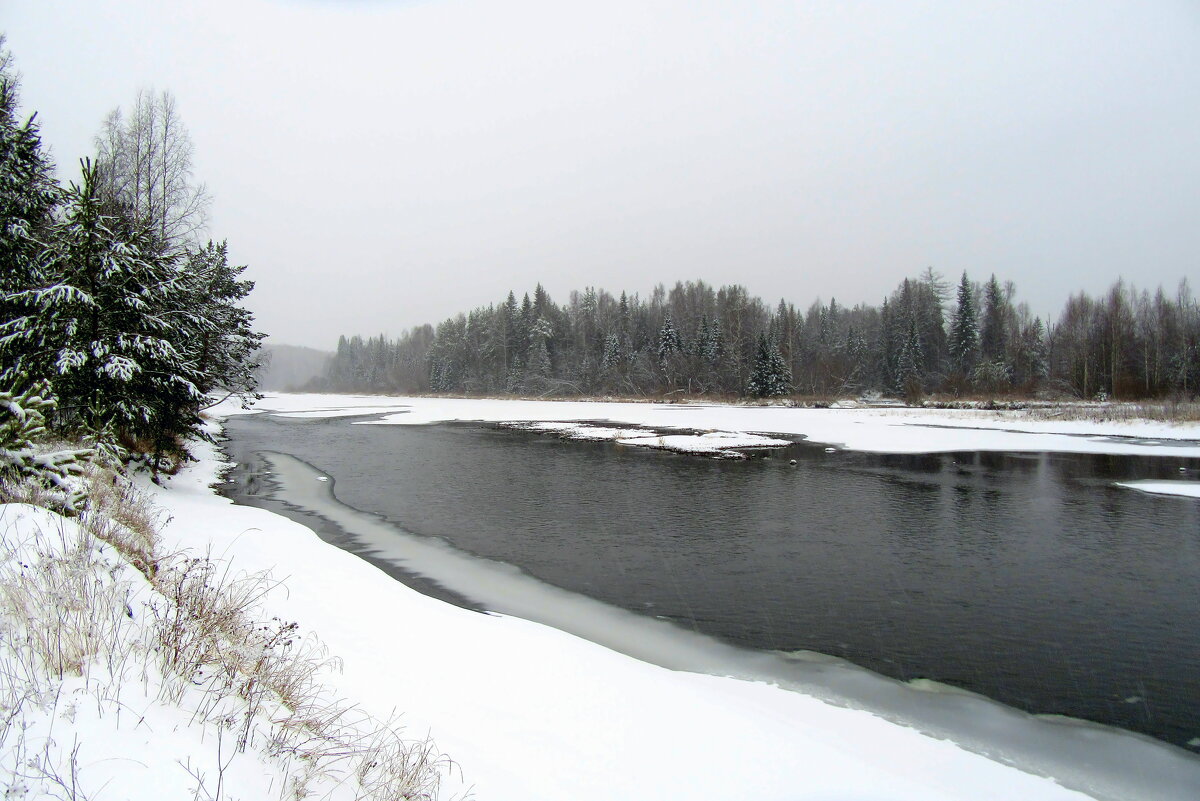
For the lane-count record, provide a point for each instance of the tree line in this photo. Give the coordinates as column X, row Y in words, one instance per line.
column 112, row 309
column 927, row 336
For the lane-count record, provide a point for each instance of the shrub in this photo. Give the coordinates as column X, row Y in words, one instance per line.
column 26, row 457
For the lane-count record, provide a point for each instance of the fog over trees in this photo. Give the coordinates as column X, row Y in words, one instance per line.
column 971, row 337
column 287, row 368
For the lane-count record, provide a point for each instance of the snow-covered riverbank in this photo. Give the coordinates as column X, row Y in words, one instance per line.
column 529, row 712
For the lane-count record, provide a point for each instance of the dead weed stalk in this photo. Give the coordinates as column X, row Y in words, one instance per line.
column 68, row 606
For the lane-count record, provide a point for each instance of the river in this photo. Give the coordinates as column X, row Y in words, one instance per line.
column 1027, row 578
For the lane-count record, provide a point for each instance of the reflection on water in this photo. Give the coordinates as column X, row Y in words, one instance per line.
column 1028, row 578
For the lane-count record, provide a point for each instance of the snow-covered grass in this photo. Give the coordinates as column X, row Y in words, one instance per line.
column 1158, row 411
column 131, row 672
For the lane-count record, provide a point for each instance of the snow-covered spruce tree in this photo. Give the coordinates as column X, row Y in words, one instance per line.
column 224, row 348
column 993, row 338
column 669, row 341
column 611, row 362
column 1031, row 364
column 537, row 371
column 28, row 195
column 708, row 341
column 612, row 357
column 107, row 324
column 22, row 455
column 770, row 376
column 781, row 374
column 858, row 355
column 909, row 379
column 670, row 353
column 964, row 332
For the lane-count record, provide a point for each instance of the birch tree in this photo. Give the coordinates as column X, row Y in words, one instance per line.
column 144, row 163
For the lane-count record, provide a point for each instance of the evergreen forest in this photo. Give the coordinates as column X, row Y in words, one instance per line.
column 961, row 339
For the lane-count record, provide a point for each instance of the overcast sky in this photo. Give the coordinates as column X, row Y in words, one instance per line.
column 385, row 164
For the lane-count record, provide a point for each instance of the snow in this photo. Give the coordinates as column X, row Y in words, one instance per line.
column 1186, row 489
column 105, row 729
column 861, row 429
column 714, row 443
column 722, row 444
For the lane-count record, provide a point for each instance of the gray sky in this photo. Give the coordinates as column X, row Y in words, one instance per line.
column 384, row 164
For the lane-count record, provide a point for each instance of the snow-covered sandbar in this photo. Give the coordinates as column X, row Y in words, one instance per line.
column 863, row 429
column 1184, row 489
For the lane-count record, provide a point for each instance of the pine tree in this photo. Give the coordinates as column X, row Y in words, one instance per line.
column 105, row 326
column 858, row 353
column 612, row 352
column 525, row 320
column 994, row 372
column 1037, row 355
column 710, row 343
column 908, row 363
column 781, row 374
column 97, row 299
column 538, row 368
column 511, row 321
column 542, row 306
column 224, row 344
column 668, row 339
column 770, row 377
column 889, row 343
column 28, row 196
column 1031, row 361
column 964, row 333
column 993, row 341
column 23, row 429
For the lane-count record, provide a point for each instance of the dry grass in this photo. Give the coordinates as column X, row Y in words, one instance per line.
column 32, row 493
column 1169, row 411
column 1155, row 411
column 255, row 670
column 63, row 606
column 204, row 643
column 123, row 516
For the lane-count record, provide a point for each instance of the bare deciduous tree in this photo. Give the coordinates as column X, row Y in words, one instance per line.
column 145, row 164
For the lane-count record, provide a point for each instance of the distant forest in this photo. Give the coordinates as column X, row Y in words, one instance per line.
column 928, row 336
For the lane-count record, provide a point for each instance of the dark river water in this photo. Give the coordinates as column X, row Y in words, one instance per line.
column 1028, row 578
